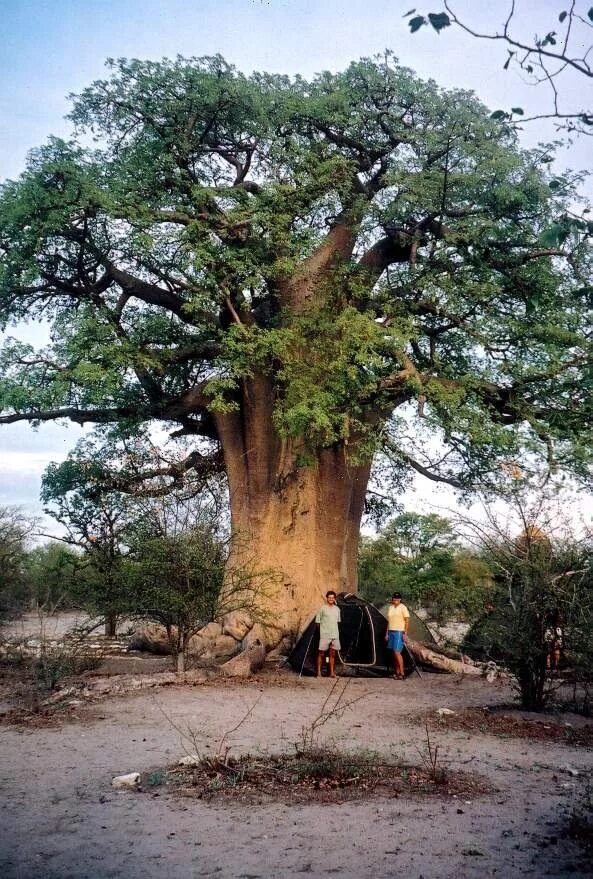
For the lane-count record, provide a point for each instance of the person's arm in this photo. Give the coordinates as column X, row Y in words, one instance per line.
column 406, row 623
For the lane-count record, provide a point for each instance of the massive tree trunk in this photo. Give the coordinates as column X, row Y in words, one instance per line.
column 297, row 523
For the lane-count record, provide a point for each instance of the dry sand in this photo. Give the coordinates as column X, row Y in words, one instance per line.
column 60, row 818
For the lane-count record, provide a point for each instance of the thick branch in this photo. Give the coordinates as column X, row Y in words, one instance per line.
column 149, row 293
column 177, row 471
column 383, row 254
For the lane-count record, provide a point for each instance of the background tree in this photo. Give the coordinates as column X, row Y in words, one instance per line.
column 299, row 275
column 94, row 520
column 418, row 556
column 15, row 528
column 53, row 573
column 561, row 47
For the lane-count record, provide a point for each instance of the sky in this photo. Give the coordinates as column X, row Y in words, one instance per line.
column 52, row 48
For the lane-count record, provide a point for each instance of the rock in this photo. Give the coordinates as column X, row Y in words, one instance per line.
column 282, row 650
column 444, row 711
column 152, row 638
column 190, row 760
column 212, row 648
column 237, row 624
column 245, row 663
column 268, row 635
column 212, row 630
column 130, row 781
column 570, row 770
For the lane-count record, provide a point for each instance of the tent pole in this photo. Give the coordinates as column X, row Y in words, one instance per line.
column 411, row 655
column 306, row 652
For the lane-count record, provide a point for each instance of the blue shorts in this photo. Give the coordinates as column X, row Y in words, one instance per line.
column 395, row 641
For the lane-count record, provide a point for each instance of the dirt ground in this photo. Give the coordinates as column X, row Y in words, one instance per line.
column 61, row 819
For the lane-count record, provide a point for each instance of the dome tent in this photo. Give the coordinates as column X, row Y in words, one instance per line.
column 362, row 636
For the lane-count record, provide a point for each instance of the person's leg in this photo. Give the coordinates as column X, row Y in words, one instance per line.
column 399, row 663
column 332, row 662
column 320, row 656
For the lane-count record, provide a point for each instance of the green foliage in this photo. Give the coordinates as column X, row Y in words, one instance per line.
column 53, row 574
column 417, row 555
column 542, row 603
column 56, row 662
column 364, row 241
column 176, row 579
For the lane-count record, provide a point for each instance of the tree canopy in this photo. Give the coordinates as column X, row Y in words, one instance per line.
column 365, row 238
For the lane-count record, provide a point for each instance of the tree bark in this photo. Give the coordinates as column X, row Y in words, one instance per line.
column 296, row 525
column 110, row 625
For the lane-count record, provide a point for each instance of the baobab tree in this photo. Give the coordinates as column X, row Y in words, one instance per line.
column 297, row 276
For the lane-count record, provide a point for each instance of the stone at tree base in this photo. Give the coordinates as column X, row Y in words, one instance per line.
column 211, row 630
column 237, row 624
column 212, row 648
column 247, row 662
column 152, row 638
column 129, row 781
column 259, row 634
column 282, row 650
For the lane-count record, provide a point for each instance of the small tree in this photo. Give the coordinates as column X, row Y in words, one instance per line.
column 543, row 583
column 177, row 564
column 176, row 580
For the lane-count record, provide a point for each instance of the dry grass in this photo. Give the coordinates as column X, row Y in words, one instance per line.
column 317, row 775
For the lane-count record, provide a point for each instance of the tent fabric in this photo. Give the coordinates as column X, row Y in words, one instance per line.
column 362, row 636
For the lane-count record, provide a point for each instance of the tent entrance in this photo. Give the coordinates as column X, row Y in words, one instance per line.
column 357, row 636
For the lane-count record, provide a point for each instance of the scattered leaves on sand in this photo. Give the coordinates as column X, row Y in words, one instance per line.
column 498, row 723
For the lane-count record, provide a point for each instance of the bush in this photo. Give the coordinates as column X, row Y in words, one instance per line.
column 541, row 613
column 62, row 661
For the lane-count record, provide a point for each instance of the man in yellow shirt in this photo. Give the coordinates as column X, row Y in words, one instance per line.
column 398, row 620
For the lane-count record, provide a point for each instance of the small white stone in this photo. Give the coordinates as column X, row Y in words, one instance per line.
column 131, row 780
column 190, row 760
column 443, row 711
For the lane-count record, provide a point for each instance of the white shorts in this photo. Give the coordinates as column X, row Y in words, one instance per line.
column 326, row 644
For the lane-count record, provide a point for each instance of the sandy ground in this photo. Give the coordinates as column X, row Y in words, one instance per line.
column 37, row 625
column 60, row 818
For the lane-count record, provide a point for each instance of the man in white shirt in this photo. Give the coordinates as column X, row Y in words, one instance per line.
column 328, row 617
column 398, row 620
